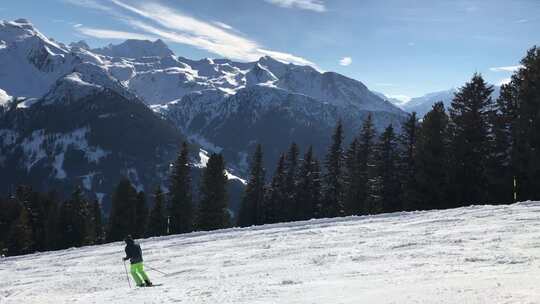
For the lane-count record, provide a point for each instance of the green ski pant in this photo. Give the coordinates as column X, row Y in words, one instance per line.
column 138, row 273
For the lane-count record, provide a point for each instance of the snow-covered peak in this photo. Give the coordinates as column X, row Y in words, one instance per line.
column 99, row 75
column 133, row 48
column 30, row 62
column 81, row 44
column 16, row 30
column 21, row 29
column 152, row 72
column 4, row 98
column 277, row 68
column 70, row 88
column 393, row 100
column 423, row 104
column 270, row 61
column 85, row 80
column 260, row 75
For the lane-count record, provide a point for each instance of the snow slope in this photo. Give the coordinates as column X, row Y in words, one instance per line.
column 479, row 254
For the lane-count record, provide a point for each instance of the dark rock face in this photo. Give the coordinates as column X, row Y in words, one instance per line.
column 269, row 116
column 90, row 143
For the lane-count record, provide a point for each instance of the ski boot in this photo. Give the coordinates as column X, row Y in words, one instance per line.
column 148, row 283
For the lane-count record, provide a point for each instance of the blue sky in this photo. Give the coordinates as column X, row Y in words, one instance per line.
column 398, row 47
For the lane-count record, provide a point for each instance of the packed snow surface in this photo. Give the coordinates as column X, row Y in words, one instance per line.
column 479, row 254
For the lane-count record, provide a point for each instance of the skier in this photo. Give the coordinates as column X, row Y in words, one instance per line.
column 134, row 254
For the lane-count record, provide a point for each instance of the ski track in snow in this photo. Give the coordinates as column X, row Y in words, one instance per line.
column 478, row 254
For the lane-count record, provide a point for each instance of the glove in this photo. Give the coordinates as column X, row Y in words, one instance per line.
column 124, row 259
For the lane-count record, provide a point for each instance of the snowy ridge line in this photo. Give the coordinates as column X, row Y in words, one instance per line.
column 156, row 75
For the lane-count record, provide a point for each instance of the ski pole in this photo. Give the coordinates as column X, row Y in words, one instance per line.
column 156, row 270
column 127, row 277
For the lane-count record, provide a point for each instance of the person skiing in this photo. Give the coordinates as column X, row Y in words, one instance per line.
column 134, row 254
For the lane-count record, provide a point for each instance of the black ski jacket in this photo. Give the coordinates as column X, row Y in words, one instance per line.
column 133, row 253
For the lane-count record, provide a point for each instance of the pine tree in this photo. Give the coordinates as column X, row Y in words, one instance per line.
column 74, row 221
column 181, row 202
column 35, row 204
column 253, row 199
column 157, row 221
column 499, row 168
column 275, row 194
column 366, row 147
column 11, row 209
column 333, row 182
column 123, row 211
column 431, row 176
column 520, row 105
column 289, row 204
column 407, row 167
column 96, row 223
column 388, row 190
column 308, row 191
column 470, row 114
column 52, row 235
column 141, row 215
column 213, row 213
column 352, row 179
column 20, row 239
column 357, row 160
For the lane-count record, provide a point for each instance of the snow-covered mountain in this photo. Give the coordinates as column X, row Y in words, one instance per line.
column 4, row 98
column 477, row 254
column 228, row 106
column 271, row 116
column 152, row 72
column 71, row 122
column 395, row 101
column 132, row 48
column 219, row 104
column 423, row 104
column 86, row 136
column 30, row 63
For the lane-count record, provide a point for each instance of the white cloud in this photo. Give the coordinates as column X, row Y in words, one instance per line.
column 345, row 61
column 511, row 68
column 401, row 97
column 286, row 57
column 223, row 25
column 77, row 25
column 159, row 21
column 312, row 5
column 88, row 4
column 504, row 81
column 177, row 27
column 181, row 28
column 112, row 34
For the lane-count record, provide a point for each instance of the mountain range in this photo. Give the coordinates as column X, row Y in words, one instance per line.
column 423, row 104
column 72, row 115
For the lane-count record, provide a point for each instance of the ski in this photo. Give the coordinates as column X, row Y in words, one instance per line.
column 153, row 285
